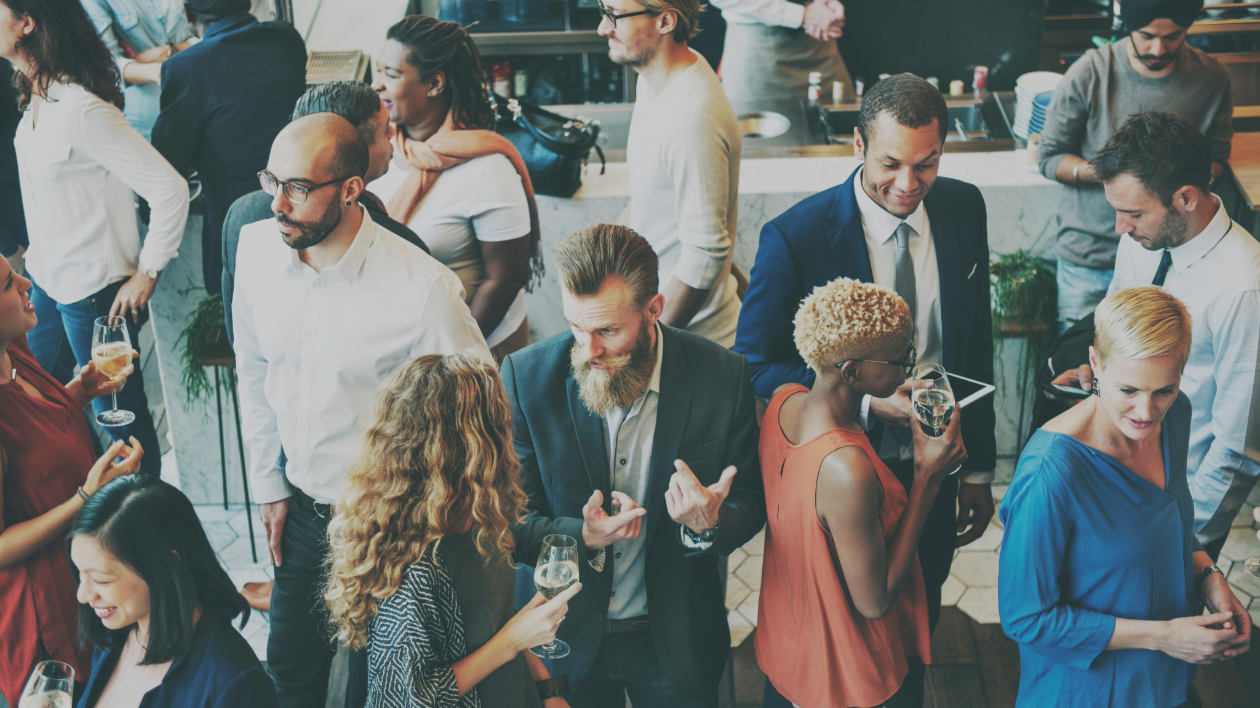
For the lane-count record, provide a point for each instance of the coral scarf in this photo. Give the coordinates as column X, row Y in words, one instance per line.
column 448, row 147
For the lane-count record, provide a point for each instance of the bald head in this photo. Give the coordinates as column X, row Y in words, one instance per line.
column 332, row 146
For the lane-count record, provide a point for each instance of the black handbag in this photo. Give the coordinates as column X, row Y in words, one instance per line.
column 555, row 148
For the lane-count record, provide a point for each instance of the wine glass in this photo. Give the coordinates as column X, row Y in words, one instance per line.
column 111, row 352
column 51, row 686
column 931, row 398
column 555, row 572
column 1252, row 565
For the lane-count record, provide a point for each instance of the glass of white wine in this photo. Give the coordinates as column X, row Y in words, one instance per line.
column 931, row 398
column 51, row 686
column 555, row 572
column 111, row 352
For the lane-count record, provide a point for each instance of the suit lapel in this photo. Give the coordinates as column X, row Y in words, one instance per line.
column 590, row 435
column 847, row 237
column 673, row 407
column 944, row 224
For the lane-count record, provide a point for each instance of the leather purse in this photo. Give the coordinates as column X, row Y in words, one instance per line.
column 555, row 148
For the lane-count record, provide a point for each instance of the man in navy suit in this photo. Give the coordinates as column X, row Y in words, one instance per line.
column 224, row 101
column 639, row 441
column 898, row 225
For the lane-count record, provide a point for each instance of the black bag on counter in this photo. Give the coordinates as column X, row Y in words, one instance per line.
column 555, row 148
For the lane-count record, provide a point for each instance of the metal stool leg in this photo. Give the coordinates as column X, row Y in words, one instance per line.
column 249, row 515
column 218, row 408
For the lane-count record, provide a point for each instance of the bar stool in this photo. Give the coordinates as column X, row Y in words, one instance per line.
column 221, row 356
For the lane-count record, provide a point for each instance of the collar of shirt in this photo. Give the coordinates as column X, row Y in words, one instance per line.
column 351, row 263
column 228, row 23
column 1199, row 246
column 879, row 223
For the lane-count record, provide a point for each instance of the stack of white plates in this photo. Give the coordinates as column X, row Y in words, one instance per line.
column 1032, row 98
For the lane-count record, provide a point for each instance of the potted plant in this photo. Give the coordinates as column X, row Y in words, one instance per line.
column 205, row 334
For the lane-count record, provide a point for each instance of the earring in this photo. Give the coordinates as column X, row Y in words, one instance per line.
column 347, row 202
column 1093, row 389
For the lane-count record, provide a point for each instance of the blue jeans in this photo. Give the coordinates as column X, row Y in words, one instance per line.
column 1080, row 291
column 627, row 664
column 63, row 338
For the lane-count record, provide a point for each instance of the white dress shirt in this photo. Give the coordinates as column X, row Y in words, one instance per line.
column 776, row 13
column 880, row 226
column 1216, row 274
column 79, row 167
column 313, row 347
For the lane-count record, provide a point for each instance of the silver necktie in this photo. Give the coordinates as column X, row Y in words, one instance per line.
column 903, row 283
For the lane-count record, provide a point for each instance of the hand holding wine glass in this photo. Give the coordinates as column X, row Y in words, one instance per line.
column 112, row 354
column 51, row 686
column 935, row 458
column 556, row 571
column 931, row 398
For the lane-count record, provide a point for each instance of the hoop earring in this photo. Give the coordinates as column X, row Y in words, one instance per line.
column 1093, row 389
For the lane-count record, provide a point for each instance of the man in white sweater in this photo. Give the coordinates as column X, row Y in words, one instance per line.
column 683, row 153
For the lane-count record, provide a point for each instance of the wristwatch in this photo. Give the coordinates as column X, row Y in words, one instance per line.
column 152, row 273
column 553, row 687
column 1202, row 576
column 706, row 537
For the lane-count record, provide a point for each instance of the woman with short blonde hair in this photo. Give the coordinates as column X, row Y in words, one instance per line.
column 422, row 571
column 1098, row 554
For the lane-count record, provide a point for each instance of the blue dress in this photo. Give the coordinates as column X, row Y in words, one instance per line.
column 1088, row 540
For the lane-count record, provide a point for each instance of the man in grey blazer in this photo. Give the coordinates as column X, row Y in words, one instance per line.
column 640, row 441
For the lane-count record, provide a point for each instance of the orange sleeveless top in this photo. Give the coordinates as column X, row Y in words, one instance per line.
column 812, row 643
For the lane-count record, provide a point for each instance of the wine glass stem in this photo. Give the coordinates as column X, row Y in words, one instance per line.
column 114, row 398
column 551, row 645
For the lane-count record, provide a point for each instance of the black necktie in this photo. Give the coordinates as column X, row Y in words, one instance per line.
column 1163, row 269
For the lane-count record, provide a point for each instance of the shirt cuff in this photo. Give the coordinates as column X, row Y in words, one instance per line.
column 150, row 261
column 269, row 489
column 793, row 15
column 597, row 563
column 977, row 477
column 700, row 268
column 864, row 414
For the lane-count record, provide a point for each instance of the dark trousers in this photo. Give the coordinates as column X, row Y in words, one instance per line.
column 627, row 664
column 937, row 543
column 300, row 647
column 63, row 338
column 910, row 695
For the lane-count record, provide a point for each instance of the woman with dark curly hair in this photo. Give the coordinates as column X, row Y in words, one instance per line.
column 480, row 218
column 422, row 571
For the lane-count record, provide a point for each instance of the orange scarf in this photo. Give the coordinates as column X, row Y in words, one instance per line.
column 448, row 147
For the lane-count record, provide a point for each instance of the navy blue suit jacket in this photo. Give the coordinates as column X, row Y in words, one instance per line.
column 220, row 671
column 224, row 101
column 821, row 239
column 705, row 417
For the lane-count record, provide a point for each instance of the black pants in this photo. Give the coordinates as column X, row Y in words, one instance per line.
column 300, row 647
column 938, row 541
column 627, row 664
column 910, row 695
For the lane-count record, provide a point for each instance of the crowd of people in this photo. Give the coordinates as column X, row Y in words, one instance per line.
column 413, row 456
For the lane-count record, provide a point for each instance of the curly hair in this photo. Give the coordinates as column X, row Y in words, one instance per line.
column 446, row 47
column 848, row 319
column 63, row 47
column 436, row 455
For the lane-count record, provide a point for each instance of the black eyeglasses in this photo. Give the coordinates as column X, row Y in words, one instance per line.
column 293, row 191
column 911, row 359
column 612, row 19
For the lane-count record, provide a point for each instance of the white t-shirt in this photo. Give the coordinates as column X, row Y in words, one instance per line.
column 479, row 200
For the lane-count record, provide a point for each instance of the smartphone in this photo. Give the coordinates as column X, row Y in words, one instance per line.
column 1068, row 392
column 967, row 391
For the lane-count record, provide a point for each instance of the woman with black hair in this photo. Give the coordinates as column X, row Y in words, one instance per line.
column 479, row 218
column 158, row 606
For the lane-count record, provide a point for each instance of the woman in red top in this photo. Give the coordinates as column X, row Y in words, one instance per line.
column 842, row 619
column 46, row 459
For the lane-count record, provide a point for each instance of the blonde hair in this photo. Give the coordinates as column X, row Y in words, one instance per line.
column 848, row 319
column 436, row 452
column 688, row 12
column 1138, row 323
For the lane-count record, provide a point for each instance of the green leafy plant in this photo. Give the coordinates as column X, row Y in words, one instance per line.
column 205, row 331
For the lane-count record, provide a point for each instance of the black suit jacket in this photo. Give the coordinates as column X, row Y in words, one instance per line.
column 821, row 239
column 705, row 417
column 224, row 101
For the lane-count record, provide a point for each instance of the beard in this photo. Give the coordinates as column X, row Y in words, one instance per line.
column 1155, row 62
column 619, row 387
column 311, row 233
column 1172, row 230
column 630, row 58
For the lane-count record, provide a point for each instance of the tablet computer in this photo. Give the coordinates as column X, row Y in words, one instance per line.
column 967, row 390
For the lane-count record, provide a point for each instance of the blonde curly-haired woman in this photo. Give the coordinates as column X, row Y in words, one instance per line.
column 422, row 572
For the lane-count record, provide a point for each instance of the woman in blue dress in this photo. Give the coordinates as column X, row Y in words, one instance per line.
column 1100, row 573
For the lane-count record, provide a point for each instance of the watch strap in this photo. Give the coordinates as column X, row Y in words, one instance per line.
column 1202, row 575
column 553, row 687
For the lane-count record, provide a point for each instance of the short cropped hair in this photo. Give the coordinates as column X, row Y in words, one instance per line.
column 1162, row 150
column 210, row 11
column 355, row 101
column 910, row 100
column 1139, row 323
column 588, row 258
column 688, row 12
column 849, row 319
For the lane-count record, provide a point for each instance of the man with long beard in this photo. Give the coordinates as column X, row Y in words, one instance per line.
column 324, row 310
column 1151, row 68
column 639, row 441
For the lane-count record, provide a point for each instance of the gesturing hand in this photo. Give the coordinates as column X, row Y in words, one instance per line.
column 600, row 530
column 107, row 470
column 692, row 504
column 823, row 19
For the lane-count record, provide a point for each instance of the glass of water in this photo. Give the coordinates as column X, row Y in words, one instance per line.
column 931, row 398
column 51, row 686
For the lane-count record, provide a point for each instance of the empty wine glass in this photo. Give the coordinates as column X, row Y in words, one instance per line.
column 555, row 572
column 111, row 352
column 51, row 686
column 931, row 398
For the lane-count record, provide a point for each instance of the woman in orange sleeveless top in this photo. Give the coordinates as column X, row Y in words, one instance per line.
column 842, row 619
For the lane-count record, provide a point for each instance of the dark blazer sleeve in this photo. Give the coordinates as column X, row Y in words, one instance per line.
column 539, row 523
column 979, row 420
column 178, row 125
column 765, row 334
column 252, row 689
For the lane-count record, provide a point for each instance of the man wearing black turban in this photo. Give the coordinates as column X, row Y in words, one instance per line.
column 1156, row 44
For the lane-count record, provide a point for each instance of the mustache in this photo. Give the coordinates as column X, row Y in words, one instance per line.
column 612, row 362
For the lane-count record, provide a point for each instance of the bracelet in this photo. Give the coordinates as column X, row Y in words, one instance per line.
column 1202, row 576
column 84, row 495
column 553, row 687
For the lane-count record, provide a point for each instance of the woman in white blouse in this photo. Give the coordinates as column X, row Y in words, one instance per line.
column 81, row 165
column 468, row 193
